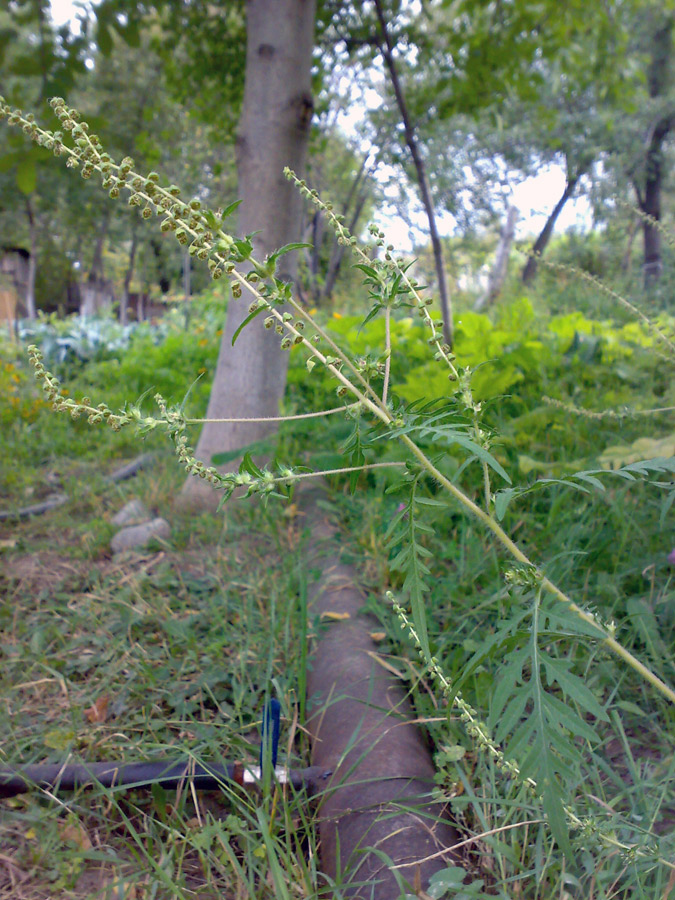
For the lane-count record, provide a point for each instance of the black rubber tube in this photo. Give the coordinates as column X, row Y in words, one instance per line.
column 169, row 773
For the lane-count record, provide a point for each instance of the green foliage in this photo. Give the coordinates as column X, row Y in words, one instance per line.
column 406, row 527
column 544, row 662
column 527, row 710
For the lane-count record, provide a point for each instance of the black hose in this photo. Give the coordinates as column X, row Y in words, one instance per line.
column 169, row 773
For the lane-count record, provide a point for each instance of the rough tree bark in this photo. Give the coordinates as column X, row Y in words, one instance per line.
column 649, row 193
column 273, row 133
column 387, row 51
column 541, row 243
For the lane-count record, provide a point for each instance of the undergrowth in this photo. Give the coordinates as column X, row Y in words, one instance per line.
column 169, row 653
column 545, row 704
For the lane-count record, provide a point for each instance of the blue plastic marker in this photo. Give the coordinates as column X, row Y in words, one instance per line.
column 270, row 732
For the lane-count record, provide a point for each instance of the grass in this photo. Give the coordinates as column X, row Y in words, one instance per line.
column 177, row 647
column 610, row 550
column 170, row 650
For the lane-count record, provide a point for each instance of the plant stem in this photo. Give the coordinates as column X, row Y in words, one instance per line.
column 515, row 550
column 387, row 348
column 294, row 418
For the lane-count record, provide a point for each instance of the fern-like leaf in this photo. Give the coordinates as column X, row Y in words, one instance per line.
column 407, row 527
column 527, row 712
column 589, row 479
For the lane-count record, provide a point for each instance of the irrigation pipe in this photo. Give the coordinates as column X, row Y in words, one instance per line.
column 128, row 470
column 377, row 818
column 169, row 773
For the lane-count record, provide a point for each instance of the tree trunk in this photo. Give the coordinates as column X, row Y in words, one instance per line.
column 651, row 207
column 338, row 252
column 187, row 270
column 498, row 273
column 32, row 262
column 541, row 243
column 659, row 79
column 318, row 230
column 124, row 303
column 273, row 133
column 96, row 292
column 386, row 49
column 628, row 252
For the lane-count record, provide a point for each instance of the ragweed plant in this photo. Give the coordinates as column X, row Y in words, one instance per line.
column 541, row 732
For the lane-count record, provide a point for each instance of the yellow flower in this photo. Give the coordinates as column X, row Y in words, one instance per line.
column 337, row 315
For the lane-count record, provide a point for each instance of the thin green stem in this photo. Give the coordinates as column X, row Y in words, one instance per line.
column 383, row 465
column 608, row 413
column 387, row 350
column 293, row 418
column 515, row 551
column 615, row 295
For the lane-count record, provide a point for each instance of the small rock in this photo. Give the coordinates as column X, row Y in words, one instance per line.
column 134, row 536
column 133, row 513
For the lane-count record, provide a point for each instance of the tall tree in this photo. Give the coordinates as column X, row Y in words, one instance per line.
column 273, row 133
column 36, row 61
column 386, row 47
column 648, row 181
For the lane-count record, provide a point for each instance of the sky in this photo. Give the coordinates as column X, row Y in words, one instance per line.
column 533, row 197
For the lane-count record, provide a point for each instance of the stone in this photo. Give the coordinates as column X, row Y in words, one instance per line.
column 136, row 536
column 134, row 513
